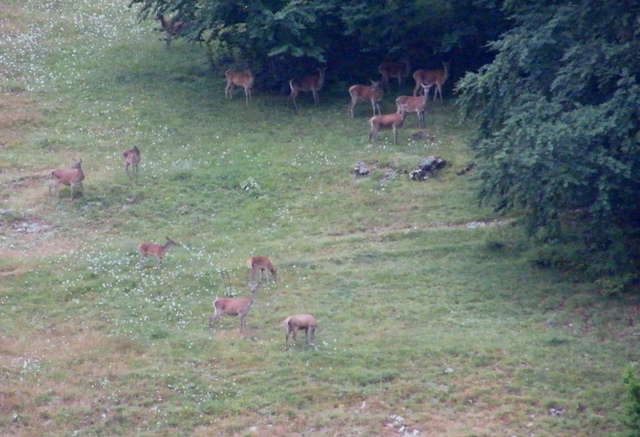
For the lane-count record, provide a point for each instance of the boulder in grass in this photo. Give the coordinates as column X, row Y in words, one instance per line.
column 428, row 168
column 360, row 169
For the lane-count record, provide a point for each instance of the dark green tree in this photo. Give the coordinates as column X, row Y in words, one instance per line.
column 278, row 38
column 559, row 123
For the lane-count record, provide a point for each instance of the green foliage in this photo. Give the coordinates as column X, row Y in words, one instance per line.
column 559, row 122
column 632, row 404
column 283, row 37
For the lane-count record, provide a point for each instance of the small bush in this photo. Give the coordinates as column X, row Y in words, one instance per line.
column 631, row 418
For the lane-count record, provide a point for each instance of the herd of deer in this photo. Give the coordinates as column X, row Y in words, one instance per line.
column 73, row 178
column 240, row 306
column 261, row 265
column 424, row 79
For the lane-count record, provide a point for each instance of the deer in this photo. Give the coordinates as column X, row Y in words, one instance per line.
column 70, row 177
column 415, row 104
column 387, row 121
column 431, row 78
column 373, row 94
column 234, row 307
column 151, row 249
column 131, row 158
column 261, row 264
column 399, row 70
column 307, row 84
column 170, row 28
column 239, row 78
column 297, row 322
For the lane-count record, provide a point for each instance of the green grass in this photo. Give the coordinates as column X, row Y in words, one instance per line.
column 429, row 323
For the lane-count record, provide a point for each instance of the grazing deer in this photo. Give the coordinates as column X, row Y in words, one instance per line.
column 373, row 94
column 261, row 264
column 311, row 84
column 387, row 121
column 170, row 28
column 70, row 177
column 146, row 249
column 234, row 307
column 415, row 104
column 399, row 70
column 131, row 158
column 431, row 78
column 235, row 78
column 295, row 323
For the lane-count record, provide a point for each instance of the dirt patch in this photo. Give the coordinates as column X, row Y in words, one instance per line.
column 29, row 237
column 17, row 112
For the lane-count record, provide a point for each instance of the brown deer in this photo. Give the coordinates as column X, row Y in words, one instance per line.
column 261, row 264
column 399, row 70
column 295, row 323
column 414, row 104
column 373, row 94
column 312, row 84
column 431, row 78
column 151, row 249
column 234, row 307
column 239, row 78
column 131, row 158
column 70, row 177
column 170, row 28
column 387, row 121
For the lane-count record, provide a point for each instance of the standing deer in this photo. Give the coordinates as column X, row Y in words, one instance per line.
column 70, row 177
column 431, row 78
column 387, row 121
column 151, row 249
column 311, row 84
column 234, row 307
column 293, row 324
column 131, row 158
column 373, row 94
column 261, row 264
column 415, row 104
column 170, row 28
column 399, row 70
column 235, row 78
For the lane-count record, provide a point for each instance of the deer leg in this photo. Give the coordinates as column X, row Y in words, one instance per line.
column 243, row 321
column 395, row 134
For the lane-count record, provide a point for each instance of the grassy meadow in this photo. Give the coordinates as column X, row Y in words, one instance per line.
column 434, row 319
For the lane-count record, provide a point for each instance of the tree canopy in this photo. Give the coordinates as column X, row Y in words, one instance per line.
column 274, row 37
column 559, row 113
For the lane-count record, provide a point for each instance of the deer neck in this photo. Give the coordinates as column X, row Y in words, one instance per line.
column 80, row 174
column 251, row 299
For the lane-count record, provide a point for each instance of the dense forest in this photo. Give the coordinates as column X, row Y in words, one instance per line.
column 553, row 84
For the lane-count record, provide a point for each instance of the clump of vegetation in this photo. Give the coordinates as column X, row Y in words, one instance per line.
column 632, row 404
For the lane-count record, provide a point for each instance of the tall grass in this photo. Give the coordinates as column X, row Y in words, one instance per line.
column 433, row 320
